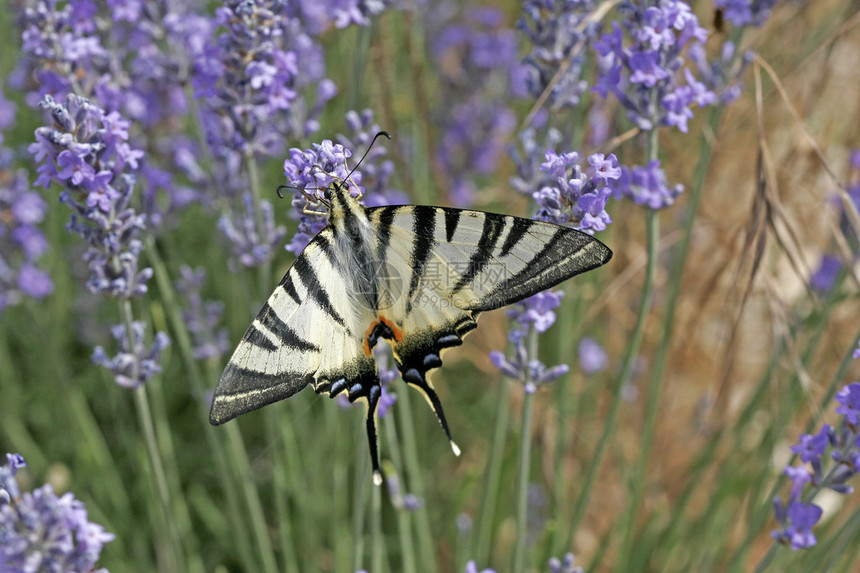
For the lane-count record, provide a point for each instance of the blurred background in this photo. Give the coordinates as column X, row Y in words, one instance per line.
column 717, row 335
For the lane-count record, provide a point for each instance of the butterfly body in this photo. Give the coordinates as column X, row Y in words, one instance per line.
column 414, row 276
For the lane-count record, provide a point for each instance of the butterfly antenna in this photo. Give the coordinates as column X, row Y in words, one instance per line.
column 366, row 151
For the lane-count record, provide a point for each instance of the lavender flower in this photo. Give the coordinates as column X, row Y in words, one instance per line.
column 722, row 76
column 577, row 198
column 746, row 12
column 472, row 568
column 472, row 144
column 798, row 520
column 646, row 75
column 830, row 266
column 22, row 243
column 252, row 245
column 554, row 28
column 42, row 532
column 86, row 153
column 530, row 155
column 565, row 565
column 142, row 75
column 310, row 172
column 566, row 195
column 253, row 77
column 534, row 312
column 592, row 356
column 797, row 517
column 647, row 186
column 849, row 403
column 320, row 15
column 134, row 364
column 202, row 317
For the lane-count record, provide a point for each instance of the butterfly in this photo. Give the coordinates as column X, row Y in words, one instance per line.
column 414, row 276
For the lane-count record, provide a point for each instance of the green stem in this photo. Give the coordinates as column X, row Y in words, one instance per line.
column 404, row 522
column 156, row 465
column 494, row 474
column 652, row 223
column 265, row 269
column 377, row 552
column 525, row 455
column 427, row 557
column 231, row 462
column 655, row 390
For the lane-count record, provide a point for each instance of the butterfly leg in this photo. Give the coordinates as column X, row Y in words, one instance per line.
column 414, row 378
column 372, row 401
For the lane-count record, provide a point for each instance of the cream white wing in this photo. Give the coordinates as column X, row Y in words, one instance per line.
column 308, row 332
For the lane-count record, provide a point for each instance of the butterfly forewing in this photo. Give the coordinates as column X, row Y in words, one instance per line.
column 301, row 336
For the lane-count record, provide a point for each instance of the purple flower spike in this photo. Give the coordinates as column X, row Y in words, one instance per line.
column 811, row 448
column 565, row 193
column 849, row 400
column 746, row 12
column 476, row 56
column 566, row 565
column 252, row 246
column 42, row 532
column 311, row 172
column 797, row 520
column 646, row 75
column 22, row 242
column 203, row 318
column 134, row 364
column 554, row 28
column 99, row 198
column 802, row 517
column 647, row 186
column 505, row 367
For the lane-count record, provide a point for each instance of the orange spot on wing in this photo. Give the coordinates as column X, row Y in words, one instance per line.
column 366, row 343
column 398, row 334
column 395, row 330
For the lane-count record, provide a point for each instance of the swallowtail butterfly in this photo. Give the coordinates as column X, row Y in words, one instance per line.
column 416, row 276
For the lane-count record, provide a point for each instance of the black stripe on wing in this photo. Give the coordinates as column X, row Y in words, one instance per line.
column 423, row 227
column 288, row 337
column 518, row 230
column 452, row 219
column 312, row 284
column 383, row 230
column 287, row 284
column 483, row 254
column 566, row 254
column 241, row 390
